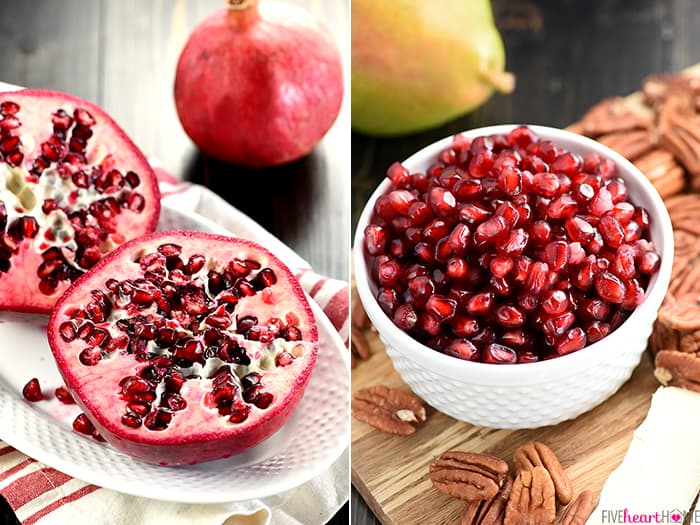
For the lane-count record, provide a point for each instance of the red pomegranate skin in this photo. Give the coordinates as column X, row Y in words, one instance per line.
column 199, row 432
column 107, row 148
column 258, row 86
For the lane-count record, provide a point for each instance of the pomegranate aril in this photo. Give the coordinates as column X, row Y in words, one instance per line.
column 557, row 255
column 441, row 307
column 473, row 213
column 562, row 207
column 557, row 325
column 388, row 300
column 509, row 316
column 555, row 302
column 611, row 231
column 399, row 175
column 540, row 232
column 596, row 330
column 480, row 303
column 574, row 339
column 490, row 230
column 157, row 420
column 649, row 263
column 610, row 288
column 83, row 425
column 405, row 317
column 131, row 420
column 498, row 354
column 537, row 277
column 90, row 356
column 458, row 240
column 32, row 390
column 64, row 396
column 545, row 184
column 594, row 308
column 516, row 243
column 634, row 295
column 462, row 349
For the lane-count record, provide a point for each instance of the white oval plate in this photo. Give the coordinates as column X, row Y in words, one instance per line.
column 306, row 445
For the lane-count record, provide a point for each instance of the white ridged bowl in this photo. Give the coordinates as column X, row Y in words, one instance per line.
column 534, row 394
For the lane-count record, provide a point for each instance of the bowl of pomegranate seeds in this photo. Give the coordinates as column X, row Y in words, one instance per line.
column 514, row 273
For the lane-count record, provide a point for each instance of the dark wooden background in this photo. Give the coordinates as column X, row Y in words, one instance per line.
column 567, row 55
column 121, row 54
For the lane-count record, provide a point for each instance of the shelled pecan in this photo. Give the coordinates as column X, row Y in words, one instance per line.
column 536, row 454
column 679, row 133
column 681, row 369
column 611, row 115
column 663, row 171
column 580, row 510
column 359, row 344
column 681, row 312
column 489, row 511
column 467, row 475
column 631, row 144
column 663, row 338
column 658, row 88
column 390, row 410
column 532, row 500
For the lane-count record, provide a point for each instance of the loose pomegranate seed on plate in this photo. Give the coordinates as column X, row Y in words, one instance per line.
column 507, row 249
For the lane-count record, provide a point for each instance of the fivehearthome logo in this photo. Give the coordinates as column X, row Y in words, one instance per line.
column 623, row 516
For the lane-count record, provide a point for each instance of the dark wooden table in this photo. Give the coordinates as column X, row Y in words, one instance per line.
column 122, row 55
column 567, row 55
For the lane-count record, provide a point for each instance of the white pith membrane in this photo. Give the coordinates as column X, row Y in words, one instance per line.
column 229, row 403
column 57, row 151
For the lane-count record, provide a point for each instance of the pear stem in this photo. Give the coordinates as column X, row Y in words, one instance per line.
column 238, row 5
column 502, row 81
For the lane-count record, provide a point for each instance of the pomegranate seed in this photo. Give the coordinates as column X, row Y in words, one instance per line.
column 609, row 287
column 399, row 175
column 649, row 263
column 537, row 278
column 555, row 302
column 574, row 339
column 388, row 300
column 64, row 396
column 441, row 307
column 9, row 108
column 435, row 230
column 90, row 356
column 83, row 425
column 463, row 326
column 521, row 137
column 540, row 233
column 32, row 390
column 67, row 331
column 498, row 354
column 557, row 325
column 136, row 202
column 557, row 255
column 442, row 202
column 510, row 180
column 509, row 316
column 462, row 349
column 595, row 309
column 634, row 295
column 516, row 243
column 473, row 213
column 406, row 317
column 596, row 330
column 490, row 230
column 545, row 184
column 83, row 118
column 480, row 303
column 131, row 420
column 611, row 231
column 562, row 207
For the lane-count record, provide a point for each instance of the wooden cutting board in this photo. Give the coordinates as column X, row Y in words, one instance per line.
column 391, row 472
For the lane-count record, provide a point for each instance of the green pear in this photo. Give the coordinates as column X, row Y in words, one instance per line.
column 417, row 64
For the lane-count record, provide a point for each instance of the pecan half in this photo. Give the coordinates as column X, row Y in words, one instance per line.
column 689, row 342
column 686, row 284
column 359, row 344
column 681, row 369
column 390, row 410
column 631, row 144
column 580, row 510
column 658, row 88
column 682, row 311
column 663, row 171
column 536, row 454
column 684, row 211
column 532, row 500
column 468, row 476
column 679, row 132
column 611, row 115
column 663, row 338
column 686, row 248
column 489, row 511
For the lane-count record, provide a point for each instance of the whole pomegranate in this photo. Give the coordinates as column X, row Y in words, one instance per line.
column 73, row 187
column 258, row 85
column 182, row 347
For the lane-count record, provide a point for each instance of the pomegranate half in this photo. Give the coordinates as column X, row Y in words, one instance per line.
column 184, row 347
column 73, row 186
